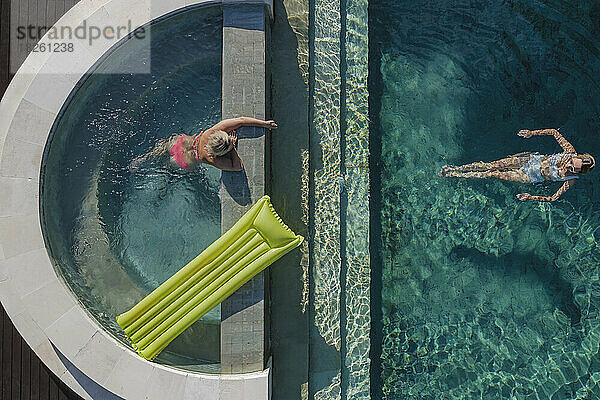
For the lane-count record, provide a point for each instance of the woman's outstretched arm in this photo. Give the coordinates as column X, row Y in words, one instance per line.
column 564, row 143
column 565, row 186
column 228, row 125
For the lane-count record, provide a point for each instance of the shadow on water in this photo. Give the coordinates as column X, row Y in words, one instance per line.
column 375, row 202
column 289, row 328
column 522, row 263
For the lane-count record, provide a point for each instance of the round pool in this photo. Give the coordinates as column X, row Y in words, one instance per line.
column 116, row 234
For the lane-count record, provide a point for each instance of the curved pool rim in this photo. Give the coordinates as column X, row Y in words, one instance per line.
column 42, row 307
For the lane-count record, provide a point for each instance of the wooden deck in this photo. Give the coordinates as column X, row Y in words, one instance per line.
column 40, row 14
column 24, row 376
column 4, row 44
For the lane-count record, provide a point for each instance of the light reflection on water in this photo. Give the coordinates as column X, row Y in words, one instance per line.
column 340, row 178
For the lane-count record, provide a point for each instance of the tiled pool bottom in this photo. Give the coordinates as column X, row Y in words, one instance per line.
column 482, row 296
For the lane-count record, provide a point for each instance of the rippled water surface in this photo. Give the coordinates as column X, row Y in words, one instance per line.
column 482, row 296
column 116, row 234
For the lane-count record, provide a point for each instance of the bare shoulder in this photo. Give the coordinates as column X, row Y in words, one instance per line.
column 207, row 132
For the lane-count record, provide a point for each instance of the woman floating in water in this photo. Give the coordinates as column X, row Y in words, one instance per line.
column 530, row 167
column 214, row 146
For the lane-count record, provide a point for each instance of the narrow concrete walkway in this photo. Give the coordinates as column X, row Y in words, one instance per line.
column 243, row 335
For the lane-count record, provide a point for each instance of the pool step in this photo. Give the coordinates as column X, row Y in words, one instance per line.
column 355, row 376
column 340, row 343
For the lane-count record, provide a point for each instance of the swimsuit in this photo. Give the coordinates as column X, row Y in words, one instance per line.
column 176, row 151
column 533, row 168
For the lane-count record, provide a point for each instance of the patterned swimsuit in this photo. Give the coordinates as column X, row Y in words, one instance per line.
column 533, row 168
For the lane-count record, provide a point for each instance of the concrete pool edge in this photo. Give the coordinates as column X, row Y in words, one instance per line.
column 244, row 318
column 44, row 311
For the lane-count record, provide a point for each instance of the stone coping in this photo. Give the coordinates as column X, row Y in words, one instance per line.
column 45, row 312
column 244, row 322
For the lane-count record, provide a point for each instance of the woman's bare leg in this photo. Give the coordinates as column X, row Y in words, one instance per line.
column 514, row 162
column 513, row 176
column 504, row 163
column 161, row 149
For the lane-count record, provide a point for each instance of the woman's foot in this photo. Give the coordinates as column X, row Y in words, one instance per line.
column 134, row 165
column 444, row 171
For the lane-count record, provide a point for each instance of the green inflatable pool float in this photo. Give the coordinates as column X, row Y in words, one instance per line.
column 255, row 241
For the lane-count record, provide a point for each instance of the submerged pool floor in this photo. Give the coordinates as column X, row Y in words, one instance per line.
column 483, row 296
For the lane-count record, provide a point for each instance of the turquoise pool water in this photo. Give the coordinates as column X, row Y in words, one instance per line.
column 116, row 234
column 475, row 294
